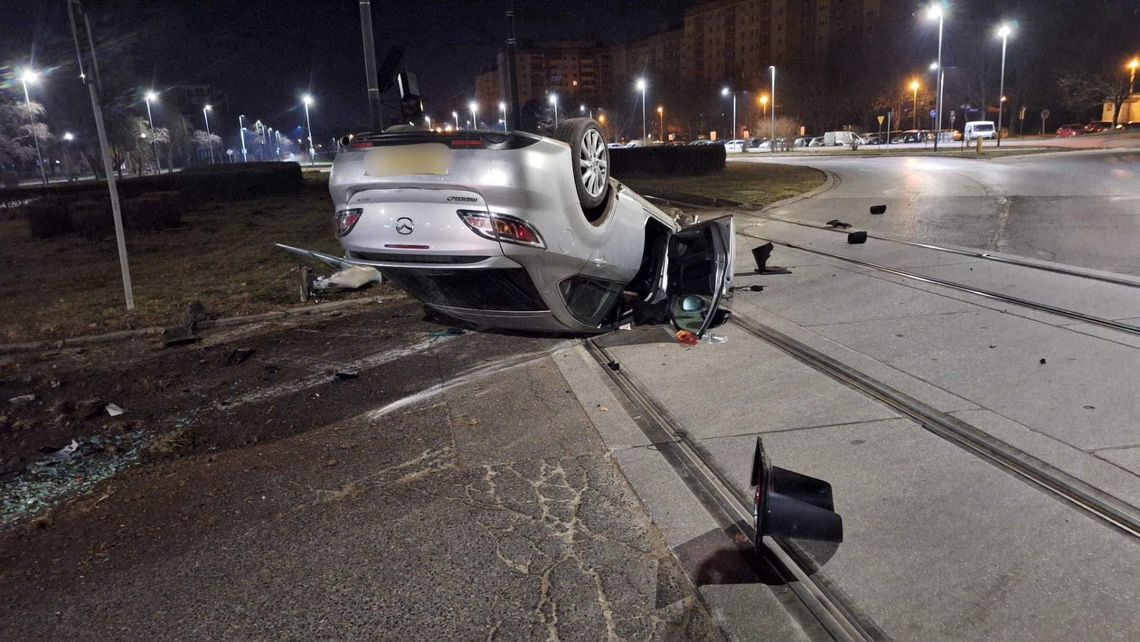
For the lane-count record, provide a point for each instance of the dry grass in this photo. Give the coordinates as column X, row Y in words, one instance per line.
column 756, row 184
column 221, row 255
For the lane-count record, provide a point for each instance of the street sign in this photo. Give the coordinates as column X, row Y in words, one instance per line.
column 1022, row 116
column 1044, row 114
column 881, row 119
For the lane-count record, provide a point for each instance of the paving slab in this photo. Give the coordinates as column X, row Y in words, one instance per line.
column 954, row 353
column 1126, row 458
column 941, row 545
column 743, row 385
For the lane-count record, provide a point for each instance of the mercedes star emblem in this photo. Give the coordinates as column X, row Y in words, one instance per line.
column 404, row 225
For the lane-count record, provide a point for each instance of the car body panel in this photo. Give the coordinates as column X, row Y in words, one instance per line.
column 575, row 271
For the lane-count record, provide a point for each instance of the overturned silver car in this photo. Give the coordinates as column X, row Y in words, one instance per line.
column 519, row 231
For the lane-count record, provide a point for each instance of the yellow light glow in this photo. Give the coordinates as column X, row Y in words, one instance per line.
column 914, row 85
column 1134, row 64
column 763, row 99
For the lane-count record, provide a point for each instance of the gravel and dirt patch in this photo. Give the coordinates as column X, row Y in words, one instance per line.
column 754, row 184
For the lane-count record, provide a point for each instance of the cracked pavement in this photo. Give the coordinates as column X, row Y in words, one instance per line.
column 485, row 509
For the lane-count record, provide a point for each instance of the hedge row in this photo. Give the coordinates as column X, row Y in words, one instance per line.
column 666, row 159
column 213, row 182
column 92, row 218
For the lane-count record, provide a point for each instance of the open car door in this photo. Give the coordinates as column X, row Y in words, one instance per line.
column 700, row 274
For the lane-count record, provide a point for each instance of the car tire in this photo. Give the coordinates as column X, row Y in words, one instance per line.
column 590, row 158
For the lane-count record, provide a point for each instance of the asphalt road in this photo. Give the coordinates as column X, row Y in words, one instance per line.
column 1078, row 208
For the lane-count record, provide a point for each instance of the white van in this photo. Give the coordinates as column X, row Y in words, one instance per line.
column 831, row 139
column 979, row 129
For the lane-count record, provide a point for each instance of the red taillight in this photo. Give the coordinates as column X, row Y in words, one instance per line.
column 346, row 220
column 500, row 227
column 465, row 142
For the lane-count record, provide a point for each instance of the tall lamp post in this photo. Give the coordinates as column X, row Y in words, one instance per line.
column 241, row 132
column 1003, row 33
column 308, row 100
column 209, row 141
column 474, row 107
column 149, row 96
column 935, row 12
column 724, row 92
column 661, row 117
column 1132, row 66
column 641, row 86
column 554, row 101
column 764, row 104
column 914, row 117
column 455, row 115
column 503, row 111
column 772, row 144
column 27, row 77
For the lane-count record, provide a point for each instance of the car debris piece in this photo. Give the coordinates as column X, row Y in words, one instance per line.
column 60, row 454
column 1042, row 361
column 185, row 334
column 114, row 410
column 748, row 288
column 615, row 366
column 855, row 238
column 350, row 278
column 687, row 338
column 760, row 255
column 22, row 398
column 238, row 356
column 878, row 209
column 345, row 375
column 837, row 224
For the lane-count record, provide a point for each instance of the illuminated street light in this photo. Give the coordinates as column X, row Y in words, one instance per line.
column 210, row 143
column 455, row 115
column 241, row 132
column 474, row 107
column 764, row 104
column 308, row 100
column 935, row 13
column 68, row 136
column 149, row 96
column 1003, row 32
column 1132, row 66
column 554, row 101
column 30, row 76
column 503, row 111
column 661, row 116
column 642, row 86
column 427, row 122
column 914, row 120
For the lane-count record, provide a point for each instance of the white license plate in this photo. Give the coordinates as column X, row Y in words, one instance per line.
column 408, row 160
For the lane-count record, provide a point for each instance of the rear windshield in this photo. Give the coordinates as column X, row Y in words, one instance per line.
column 983, row 128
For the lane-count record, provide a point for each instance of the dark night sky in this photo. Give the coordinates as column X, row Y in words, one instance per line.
column 265, row 53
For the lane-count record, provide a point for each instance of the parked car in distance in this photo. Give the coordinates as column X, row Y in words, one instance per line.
column 736, row 145
column 976, row 129
column 1068, row 131
column 1095, row 128
column 802, row 141
column 816, row 142
column 758, row 145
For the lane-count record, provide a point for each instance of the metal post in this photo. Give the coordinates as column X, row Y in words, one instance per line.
column 511, row 119
column 241, row 132
column 914, row 116
column 153, row 141
column 772, row 144
column 734, row 115
column 375, row 117
column 209, row 143
column 643, row 135
column 116, row 212
column 309, row 133
column 941, row 77
column 32, row 126
column 1001, row 89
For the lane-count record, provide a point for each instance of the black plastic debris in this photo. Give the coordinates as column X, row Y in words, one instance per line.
column 345, row 375
column 185, row 333
column 1042, row 361
column 748, row 288
column 761, row 254
column 855, row 238
column 837, row 224
column 238, row 356
column 878, row 209
column 615, row 366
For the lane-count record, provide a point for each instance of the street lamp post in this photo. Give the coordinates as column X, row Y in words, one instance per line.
column 914, row 116
column 241, row 132
column 209, row 142
column 935, row 11
column 641, row 86
column 554, row 101
column 1132, row 65
column 661, row 116
column 772, row 143
column 1003, row 32
column 308, row 100
column 25, row 78
column 724, row 92
column 503, row 111
column 474, row 107
column 764, row 105
column 149, row 96
column 455, row 115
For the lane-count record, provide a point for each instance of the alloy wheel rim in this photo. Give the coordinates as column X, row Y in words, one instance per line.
column 592, row 163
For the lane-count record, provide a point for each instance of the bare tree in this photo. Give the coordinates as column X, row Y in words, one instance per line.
column 1081, row 92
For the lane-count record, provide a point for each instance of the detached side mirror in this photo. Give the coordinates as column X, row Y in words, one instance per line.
column 788, row 504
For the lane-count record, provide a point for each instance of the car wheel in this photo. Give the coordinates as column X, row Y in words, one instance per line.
column 590, row 157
